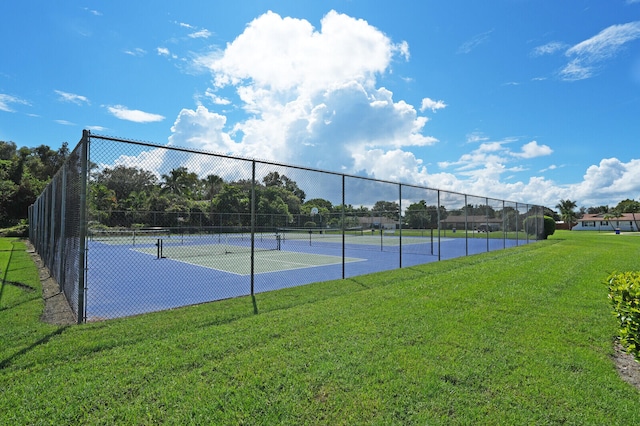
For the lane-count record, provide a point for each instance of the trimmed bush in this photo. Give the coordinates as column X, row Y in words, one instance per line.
column 549, row 226
column 624, row 295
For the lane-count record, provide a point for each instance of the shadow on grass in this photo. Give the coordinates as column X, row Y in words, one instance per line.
column 4, row 275
column 6, row 362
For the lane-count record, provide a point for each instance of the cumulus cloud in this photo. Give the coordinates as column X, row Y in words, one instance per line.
column 588, row 54
column 428, row 103
column 310, row 94
column 532, row 150
column 134, row 115
column 608, row 182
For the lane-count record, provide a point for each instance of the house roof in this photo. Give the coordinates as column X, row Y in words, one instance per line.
column 601, row 216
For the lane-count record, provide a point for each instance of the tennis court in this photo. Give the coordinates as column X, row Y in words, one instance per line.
column 150, row 271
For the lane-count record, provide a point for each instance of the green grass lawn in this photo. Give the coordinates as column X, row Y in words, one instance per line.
column 518, row 336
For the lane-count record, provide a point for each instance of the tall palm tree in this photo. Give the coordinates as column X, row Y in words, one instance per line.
column 567, row 214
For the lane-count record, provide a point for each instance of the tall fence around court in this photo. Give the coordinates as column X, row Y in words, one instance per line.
column 129, row 227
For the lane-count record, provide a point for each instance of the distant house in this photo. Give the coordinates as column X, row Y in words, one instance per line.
column 380, row 222
column 480, row 223
column 597, row 222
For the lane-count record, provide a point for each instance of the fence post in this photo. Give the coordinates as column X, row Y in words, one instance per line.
column 82, row 264
column 343, row 229
column 486, row 218
column 439, row 222
column 63, row 215
column 253, row 222
column 400, row 222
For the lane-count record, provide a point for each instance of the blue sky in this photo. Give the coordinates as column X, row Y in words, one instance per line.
column 531, row 101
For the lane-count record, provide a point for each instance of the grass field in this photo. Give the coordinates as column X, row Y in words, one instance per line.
column 517, row 336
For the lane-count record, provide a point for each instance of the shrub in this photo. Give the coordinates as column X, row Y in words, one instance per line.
column 624, row 296
column 549, row 226
column 309, row 224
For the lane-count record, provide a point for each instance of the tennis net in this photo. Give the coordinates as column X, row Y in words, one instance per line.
column 216, row 245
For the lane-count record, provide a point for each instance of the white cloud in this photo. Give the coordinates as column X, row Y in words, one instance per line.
column 93, row 12
column 72, row 97
column 310, row 94
column 428, row 103
column 204, row 33
column 65, row 122
column 216, row 99
column 287, row 54
column 136, row 52
column 202, row 129
column 152, row 160
column 549, row 48
column 7, row 100
column 474, row 42
column 312, row 98
column 134, row 115
column 476, row 137
column 587, row 54
column 609, row 182
column 532, row 150
column 163, row 51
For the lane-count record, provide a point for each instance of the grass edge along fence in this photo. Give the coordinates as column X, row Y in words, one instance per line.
column 61, row 216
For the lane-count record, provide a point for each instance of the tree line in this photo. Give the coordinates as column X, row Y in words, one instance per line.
column 126, row 196
column 24, row 173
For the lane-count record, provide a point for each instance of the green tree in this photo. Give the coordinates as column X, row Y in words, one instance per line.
column 180, row 182
column 123, row 180
column 421, row 216
column 389, row 209
column 567, row 213
column 629, row 206
column 281, row 181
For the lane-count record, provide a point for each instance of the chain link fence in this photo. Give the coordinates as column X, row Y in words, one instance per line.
column 129, row 227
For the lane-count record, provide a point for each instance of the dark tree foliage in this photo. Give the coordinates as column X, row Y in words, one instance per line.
column 24, row 173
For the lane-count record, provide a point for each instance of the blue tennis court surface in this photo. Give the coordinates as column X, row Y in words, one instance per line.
column 128, row 279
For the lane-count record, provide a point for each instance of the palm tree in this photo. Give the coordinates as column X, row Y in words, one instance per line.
column 566, row 211
column 613, row 214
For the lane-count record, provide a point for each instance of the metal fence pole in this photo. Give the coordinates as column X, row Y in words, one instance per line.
column 82, row 264
column 400, row 221
column 466, row 227
column 253, row 223
column 343, row 229
column 439, row 222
